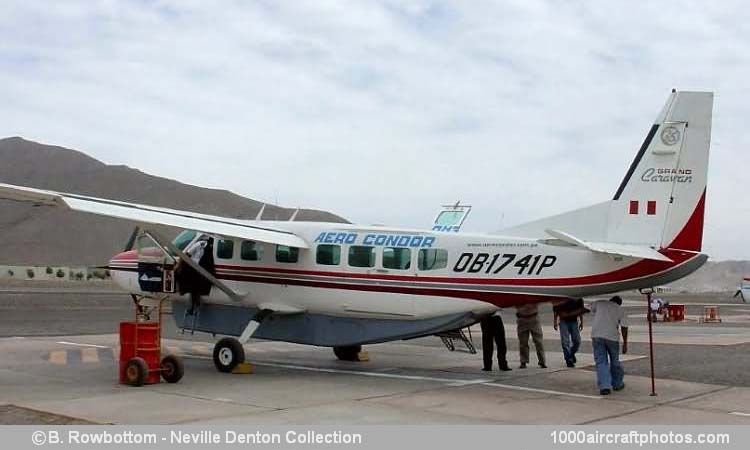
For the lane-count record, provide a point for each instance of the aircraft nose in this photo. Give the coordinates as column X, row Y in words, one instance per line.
column 124, row 257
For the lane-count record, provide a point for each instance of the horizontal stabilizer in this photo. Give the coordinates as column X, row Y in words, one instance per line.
column 627, row 250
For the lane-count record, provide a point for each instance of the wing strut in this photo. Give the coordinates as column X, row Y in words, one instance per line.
column 189, row 261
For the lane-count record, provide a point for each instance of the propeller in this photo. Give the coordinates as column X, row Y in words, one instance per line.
column 128, row 246
column 131, row 241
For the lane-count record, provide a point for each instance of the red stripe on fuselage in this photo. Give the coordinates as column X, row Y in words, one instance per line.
column 501, row 299
column 640, row 269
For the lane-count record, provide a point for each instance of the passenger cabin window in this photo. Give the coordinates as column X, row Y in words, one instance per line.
column 396, row 258
column 225, row 249
column 251, row 251
column 329, row 255
column 287, row 254
column 432, row 259
column 361, row 256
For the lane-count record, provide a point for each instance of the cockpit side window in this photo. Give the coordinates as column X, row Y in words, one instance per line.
column 184, row 238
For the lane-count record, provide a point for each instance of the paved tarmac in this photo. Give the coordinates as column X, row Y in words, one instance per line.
column 59, row 365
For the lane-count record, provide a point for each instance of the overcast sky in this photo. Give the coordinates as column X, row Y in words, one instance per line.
column 381, row 111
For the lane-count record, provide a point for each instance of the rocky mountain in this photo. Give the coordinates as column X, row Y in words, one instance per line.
column 51, row 236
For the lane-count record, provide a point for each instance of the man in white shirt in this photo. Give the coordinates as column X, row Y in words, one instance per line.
column 605, row 339
column 656, row 305
column 195, row 250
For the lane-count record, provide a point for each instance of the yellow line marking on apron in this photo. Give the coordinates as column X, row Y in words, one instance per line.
column 59, row 357
column 201, row 350
column 90, row 355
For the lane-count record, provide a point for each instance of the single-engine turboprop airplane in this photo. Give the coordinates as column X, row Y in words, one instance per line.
column 342, row 285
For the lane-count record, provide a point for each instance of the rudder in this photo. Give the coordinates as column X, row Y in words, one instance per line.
column 661, row 200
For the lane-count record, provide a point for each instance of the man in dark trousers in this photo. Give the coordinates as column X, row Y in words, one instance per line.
column 493, row 333
column 568, row 318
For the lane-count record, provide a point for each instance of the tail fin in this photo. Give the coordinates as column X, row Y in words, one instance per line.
column 661, row 200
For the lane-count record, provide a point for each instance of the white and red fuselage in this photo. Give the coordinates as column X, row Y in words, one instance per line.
column 341, row 284
column 480, row 274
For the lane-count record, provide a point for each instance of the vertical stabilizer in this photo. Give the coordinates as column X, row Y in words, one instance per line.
column 661, row 200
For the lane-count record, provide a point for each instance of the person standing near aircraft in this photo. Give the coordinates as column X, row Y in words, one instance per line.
column 189, row 277
column 493, row 333
column 656, row 307
column 527, row 322
column 569, row 318
column 605, row 339
column 197, row 248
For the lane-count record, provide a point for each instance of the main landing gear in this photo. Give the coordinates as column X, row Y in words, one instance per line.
column 348, row 353
column 228, row 354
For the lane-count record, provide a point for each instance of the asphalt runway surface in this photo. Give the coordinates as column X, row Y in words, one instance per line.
column 29, row 311
column 51, row 338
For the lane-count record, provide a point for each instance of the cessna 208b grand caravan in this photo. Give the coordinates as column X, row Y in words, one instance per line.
column 344, row 285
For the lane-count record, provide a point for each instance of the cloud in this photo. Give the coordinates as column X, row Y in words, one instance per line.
column 382, row 111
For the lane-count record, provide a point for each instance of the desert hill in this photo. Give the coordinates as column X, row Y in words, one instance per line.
column 714, row 276
column 45, row 235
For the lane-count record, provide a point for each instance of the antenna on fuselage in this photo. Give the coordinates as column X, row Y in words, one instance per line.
column 260, row 213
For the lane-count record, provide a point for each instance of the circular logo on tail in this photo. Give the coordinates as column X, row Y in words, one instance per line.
column 670, row 135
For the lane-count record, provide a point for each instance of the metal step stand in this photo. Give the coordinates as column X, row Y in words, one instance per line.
column 194, row 315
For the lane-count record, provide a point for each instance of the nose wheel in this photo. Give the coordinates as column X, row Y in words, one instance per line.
column 228, row 353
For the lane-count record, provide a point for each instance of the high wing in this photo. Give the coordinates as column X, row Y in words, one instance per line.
column 144, row 214
column 627, row 250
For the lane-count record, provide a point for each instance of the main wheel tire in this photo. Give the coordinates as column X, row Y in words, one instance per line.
column 172, row 369
column 136, row 371
column 347, row 353
column 228, row 353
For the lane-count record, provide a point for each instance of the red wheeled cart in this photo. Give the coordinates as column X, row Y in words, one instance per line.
column 140, row 353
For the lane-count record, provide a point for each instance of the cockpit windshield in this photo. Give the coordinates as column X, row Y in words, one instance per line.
column 183, row 239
